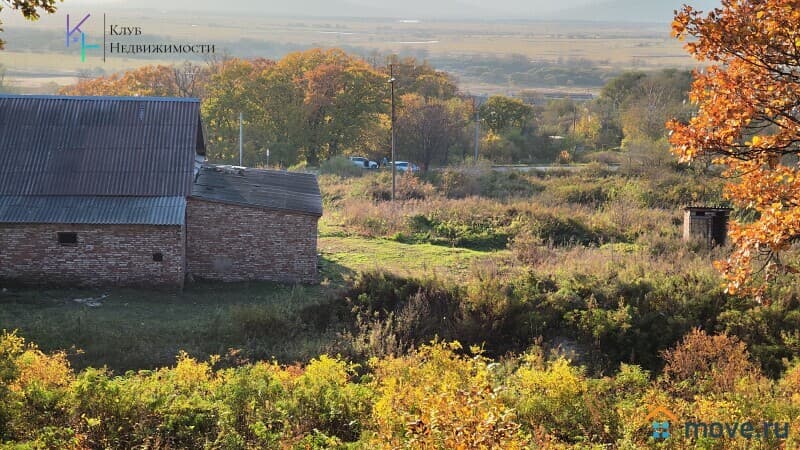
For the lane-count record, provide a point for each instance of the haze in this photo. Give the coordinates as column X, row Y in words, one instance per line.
column 589, row 10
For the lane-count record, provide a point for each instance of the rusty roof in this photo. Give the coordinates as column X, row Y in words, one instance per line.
column 102, row 146
column 272, row 189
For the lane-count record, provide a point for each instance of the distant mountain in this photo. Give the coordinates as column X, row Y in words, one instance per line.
column 420, row 9
column 632, row 10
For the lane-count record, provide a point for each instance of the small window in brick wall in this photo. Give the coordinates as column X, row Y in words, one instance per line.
column 158, row 257
column 68, row 239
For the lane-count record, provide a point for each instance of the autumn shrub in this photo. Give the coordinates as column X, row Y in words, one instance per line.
column 252, row 406
column 436, row 395
column 34, row 390
column 557, row 396
column 460, row 182
column 703, row 364
column 408, row 186
column 587, row 193
column 505, row 185
column 530, row 249
column 387, row 314
column 438, row 398
column 11, row 347
column 341, row 166
column 324, row 398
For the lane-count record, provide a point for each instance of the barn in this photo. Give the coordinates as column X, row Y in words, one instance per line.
column 116, row 191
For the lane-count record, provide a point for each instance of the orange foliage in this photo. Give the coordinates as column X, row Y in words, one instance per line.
column 748, row 119
column 186, row 80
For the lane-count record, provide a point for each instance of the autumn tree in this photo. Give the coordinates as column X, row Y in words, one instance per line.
column 748, row 118
column 334, row 95
column 652, row 101
column 186, row 80
column 30, row 9
column 232, row 91
column 428, row 129
column 500, row 113
column 420, row 78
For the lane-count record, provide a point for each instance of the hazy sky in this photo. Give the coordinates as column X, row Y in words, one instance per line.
column 626, row 10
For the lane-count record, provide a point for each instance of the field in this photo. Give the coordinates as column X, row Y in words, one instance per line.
column 542, row 309
column 566, row 223
column 255, row 320
column 35, row 57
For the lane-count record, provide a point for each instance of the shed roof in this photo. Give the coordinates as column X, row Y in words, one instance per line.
column 707, row 208
column 272, row 189
column 92, row 210
column 115, row 146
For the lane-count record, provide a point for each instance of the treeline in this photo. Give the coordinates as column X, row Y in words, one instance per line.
column 520, row 71
column 313, row 105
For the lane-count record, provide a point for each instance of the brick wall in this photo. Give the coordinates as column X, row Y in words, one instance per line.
column 104, row 255
column 235, row 243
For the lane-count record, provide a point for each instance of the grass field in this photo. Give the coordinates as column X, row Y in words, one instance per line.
column 135, row 329
column 357, row 254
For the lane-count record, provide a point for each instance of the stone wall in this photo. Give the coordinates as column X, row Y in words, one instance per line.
column 229, row 242
column 118, row 255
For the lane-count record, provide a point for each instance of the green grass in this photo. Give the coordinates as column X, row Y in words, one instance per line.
column 347, row 255
column 134, row 329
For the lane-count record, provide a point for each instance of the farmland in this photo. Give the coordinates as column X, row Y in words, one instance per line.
column 35, row 57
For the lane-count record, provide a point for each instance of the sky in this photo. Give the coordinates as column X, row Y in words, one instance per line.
column 592, row 10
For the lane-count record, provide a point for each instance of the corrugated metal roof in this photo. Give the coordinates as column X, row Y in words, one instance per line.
column 118, row 146
column 93, row 210
column 274, row 189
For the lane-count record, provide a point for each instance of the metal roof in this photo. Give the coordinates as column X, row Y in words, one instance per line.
column 116, row 146
column 93, row 210
column 273, row 189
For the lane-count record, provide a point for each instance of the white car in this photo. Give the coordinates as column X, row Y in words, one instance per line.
column 364, row 163
column 404, row 166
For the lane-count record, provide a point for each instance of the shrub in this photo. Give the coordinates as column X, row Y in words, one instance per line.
column 341, row 166
column 435, row 398
column 557, row 396
column 324, row 399
column 707, row 364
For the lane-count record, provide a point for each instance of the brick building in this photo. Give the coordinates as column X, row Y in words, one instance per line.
column 114, row 191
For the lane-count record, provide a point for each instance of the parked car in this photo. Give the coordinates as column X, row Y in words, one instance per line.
column 403, row 166
column 364, row 163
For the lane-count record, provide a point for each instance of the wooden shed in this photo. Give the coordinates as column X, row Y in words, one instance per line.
column 706, row 224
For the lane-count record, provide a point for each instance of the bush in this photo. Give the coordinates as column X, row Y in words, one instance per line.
column 435, row 398
column 438, row 395
column 341, row 166
column 703, row 364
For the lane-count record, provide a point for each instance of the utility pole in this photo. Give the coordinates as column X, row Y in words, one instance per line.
column 392, row 80
column 476, row 107
column 240, row 139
